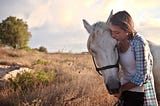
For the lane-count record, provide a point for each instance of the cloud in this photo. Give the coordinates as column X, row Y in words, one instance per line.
column 150, row 23
column 59, row 22
column 144, row 4
column 39, row 15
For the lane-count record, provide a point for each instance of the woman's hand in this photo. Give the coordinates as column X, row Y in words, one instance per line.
column 124, row 87
column 117, row 95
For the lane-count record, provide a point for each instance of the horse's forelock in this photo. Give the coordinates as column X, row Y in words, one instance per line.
column 100, row 25
column 93, row 36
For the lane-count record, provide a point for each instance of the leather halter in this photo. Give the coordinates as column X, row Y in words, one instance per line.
column 116, row 65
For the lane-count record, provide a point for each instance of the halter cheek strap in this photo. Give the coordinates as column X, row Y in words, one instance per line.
column 98, row 69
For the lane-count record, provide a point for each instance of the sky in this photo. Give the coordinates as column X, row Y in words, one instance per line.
column 57, row 24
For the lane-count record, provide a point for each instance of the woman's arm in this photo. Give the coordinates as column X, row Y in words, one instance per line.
column 128, row 86
column 141, row 58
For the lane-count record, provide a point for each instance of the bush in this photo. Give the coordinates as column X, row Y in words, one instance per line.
column 29, row 81
column 39, row 61
column 42, row 49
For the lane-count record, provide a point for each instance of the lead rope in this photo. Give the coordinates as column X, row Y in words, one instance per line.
column 119, row 102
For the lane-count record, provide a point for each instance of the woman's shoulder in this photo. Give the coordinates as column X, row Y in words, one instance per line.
column 138, row 39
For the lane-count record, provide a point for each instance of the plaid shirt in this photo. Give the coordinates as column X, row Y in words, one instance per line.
column 144, row 64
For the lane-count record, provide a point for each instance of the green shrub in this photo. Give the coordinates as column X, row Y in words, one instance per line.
column 29, row 81
column 42, row 49
column 42, row 77
column 27, row 48
column 39, row 61
column 23, row 81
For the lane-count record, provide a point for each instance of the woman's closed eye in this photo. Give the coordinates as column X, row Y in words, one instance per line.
column 115, row 32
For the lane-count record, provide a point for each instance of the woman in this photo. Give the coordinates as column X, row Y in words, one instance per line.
column 136, row 61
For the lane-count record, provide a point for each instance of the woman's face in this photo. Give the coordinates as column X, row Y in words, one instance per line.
column 118, row 33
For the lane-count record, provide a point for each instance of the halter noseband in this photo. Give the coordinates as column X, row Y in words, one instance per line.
column 98, row 69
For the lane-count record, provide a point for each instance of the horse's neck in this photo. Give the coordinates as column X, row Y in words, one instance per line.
column 155, row 48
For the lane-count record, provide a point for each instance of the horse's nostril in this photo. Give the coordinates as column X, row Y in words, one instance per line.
column 113, row 91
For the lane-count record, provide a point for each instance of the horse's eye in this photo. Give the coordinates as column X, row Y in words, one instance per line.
column 93, row 51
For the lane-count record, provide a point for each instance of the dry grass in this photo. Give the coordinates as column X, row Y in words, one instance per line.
column 75, row 84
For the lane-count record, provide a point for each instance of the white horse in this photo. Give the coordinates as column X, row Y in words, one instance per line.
column 102, row 47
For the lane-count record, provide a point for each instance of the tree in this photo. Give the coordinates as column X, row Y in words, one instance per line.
column 42, row 49
column 14, row 32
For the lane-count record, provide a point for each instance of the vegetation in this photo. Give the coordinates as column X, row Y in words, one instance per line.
column 14, row 32
column 42, row 49
column 29, row 81
column 59, row 79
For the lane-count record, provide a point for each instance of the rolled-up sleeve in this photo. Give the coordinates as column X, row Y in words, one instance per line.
column 141, row 64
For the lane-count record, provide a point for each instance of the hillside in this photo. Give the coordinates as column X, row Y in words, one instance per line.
column 75, row 83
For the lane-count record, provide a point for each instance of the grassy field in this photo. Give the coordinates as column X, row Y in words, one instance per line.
column 75, row 81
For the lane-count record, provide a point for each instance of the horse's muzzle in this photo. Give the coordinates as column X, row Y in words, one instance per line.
column 113, row 90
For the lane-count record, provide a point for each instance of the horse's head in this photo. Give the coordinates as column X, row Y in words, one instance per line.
column 102, row 47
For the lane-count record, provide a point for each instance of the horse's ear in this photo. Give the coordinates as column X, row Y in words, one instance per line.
column 108, row 20
column 87, row 26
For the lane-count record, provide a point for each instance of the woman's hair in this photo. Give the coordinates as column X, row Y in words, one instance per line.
column 124, row 21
